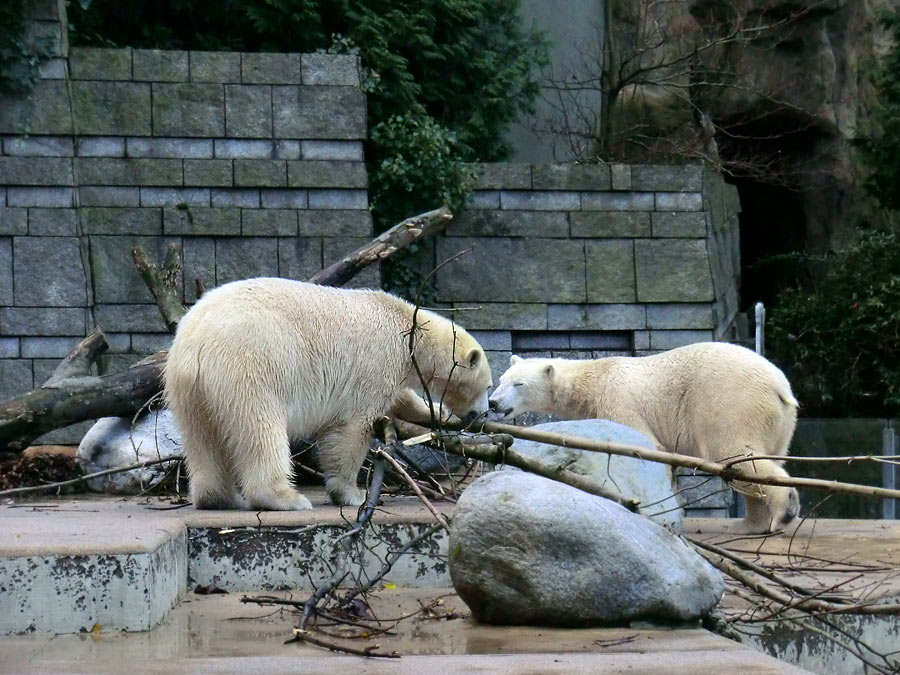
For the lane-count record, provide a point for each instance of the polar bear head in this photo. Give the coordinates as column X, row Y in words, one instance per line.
column 524, row 387
column 464, row 388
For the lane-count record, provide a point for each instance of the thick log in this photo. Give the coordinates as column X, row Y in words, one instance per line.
column 25, row 417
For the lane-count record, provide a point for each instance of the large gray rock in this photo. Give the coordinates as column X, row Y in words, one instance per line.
column 648, row 482
column 112, row 443
column 528, row 550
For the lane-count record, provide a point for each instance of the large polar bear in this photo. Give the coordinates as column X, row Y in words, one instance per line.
column 711, row 400
column 257, row 363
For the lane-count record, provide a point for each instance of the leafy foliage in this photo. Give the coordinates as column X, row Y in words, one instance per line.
column 21, row 53
column 880, row 150
column 840, row 343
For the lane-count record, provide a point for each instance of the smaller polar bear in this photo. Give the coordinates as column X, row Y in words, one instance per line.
column 711, row 400
column 258, row 363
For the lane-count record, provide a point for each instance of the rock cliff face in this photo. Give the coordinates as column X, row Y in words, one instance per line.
column 796, row 100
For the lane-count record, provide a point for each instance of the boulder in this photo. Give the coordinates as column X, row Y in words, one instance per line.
column 113, row 442
column 528, row 550
column 648, row 482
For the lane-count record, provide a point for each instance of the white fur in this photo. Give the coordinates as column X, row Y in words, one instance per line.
column 711, row 400
column 260, row 362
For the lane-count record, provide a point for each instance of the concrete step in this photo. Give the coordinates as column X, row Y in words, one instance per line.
column 68, row 565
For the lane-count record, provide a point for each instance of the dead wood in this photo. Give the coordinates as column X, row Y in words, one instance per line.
column 383, row 246
column 163, row 282
column 496, row 450
column 23, row 418
column 732, row 472
column 79, row 360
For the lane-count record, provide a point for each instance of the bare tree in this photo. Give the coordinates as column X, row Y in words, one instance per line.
column 676, row 81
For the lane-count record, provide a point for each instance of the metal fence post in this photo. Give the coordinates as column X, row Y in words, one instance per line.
column 889, row 471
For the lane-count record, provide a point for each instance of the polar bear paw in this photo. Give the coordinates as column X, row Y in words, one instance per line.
column 343, row 493
column 286, row 499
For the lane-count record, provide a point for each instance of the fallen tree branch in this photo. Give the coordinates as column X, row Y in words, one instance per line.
column 23, row 418
column 390, row 560
column 383, row 246
column 499, row 452
column 371, row 651
column 78, row 362
column 344, row 543
column 390, row 437
column 673, row 459
column 786, row 601
column 162, row 282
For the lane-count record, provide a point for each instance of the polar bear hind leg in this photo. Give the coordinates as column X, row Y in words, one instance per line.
column 342, row 450
column 212, row 480
column 260, row 455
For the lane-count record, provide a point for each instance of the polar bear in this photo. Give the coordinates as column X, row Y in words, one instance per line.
column 711, row 400
column 257, row 363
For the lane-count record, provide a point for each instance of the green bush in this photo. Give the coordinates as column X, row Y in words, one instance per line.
column 840, row 343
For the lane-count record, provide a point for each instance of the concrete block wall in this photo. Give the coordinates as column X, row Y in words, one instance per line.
column 586, row 261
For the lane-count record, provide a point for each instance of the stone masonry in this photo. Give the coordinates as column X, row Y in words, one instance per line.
column 587, row 261
column 253, row 164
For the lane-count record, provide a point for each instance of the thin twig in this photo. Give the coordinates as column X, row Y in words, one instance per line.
column 412, row 484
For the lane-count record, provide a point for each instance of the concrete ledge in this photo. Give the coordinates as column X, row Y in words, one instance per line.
column 74, row 593
column 66, row 566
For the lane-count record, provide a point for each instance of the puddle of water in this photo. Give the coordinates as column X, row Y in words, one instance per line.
column 221, row 626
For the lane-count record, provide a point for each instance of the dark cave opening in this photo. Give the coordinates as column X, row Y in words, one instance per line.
column 769, row 160
column 772, row 228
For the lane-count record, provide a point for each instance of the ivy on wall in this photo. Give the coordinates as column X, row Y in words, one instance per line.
column 21, row 51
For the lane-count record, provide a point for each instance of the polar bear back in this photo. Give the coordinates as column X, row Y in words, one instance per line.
column 697, row 395
column 312, row 346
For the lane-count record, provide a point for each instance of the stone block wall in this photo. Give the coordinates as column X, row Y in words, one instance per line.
column 585, row 261
column 253, row 163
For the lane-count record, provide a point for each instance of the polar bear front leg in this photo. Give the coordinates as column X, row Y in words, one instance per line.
column 262, row 462
column 342, row 450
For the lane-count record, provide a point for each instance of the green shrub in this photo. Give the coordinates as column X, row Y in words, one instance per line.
column 840, row 343
column 879, row 147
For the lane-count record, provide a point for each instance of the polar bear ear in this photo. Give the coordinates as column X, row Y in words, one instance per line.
column 513, row 360
column 472, row 357
column 548, row 371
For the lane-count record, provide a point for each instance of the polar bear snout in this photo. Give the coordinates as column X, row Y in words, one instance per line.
column 496, row 411
column 793, row 507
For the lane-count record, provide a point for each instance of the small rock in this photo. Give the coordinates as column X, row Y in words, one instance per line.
column 112, row 442
column 648, row 482
column 528, row 550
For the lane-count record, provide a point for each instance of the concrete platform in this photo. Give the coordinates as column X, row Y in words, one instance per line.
column 103, row 572
column 218, row 634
